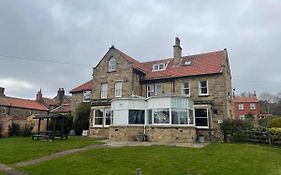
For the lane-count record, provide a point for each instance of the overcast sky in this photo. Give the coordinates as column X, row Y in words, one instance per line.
column 74, row 35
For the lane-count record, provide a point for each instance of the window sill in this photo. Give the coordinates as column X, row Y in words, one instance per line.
column 203, row 95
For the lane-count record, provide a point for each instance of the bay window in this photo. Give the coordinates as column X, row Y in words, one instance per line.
column 161, row 116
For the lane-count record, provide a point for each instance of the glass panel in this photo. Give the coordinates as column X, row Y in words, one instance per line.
column 158, row 88
column 161, row 116
column 201, row 117
column 98, row 117
column 183, row 117
column 107, row 116
column 175, row 117
column 190, row 116
column 136, row 116
column 149, row 116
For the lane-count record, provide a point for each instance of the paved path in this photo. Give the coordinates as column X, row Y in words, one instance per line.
column 57, row 155
column 9, row 170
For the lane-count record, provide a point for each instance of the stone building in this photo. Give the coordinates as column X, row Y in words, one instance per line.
column 17, row 110
column 81, row 94
column 204, row 79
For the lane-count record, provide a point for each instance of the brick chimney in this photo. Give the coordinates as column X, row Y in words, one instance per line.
column 39, row 96
column 177, row 52
column 2, row 92
column 61, row 95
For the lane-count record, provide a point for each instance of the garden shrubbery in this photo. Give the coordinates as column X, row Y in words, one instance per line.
column 81, row 122
column 16, row 130
column 275, row 123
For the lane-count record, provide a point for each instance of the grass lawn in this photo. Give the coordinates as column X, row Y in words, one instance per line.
column 216, row 159
column 17, row 149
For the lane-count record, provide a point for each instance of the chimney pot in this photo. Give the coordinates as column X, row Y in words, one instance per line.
column 2, row 91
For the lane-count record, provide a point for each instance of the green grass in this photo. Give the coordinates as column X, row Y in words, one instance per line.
column 17, row 149
column 214, row 159
column 1, row 173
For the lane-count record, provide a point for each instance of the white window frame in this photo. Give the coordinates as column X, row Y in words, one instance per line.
column 185, row 88
column 253, row 106
column 241, row 107
column 112, row 64
column 103, row 117
column 118, row 89
column 159, row 66
column 242, row 117
column 150, row 89
column 208, row 117
column 200, row 88
column 103, row 90
column 86, row 96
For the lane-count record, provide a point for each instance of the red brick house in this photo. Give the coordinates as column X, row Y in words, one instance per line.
column 243, row 106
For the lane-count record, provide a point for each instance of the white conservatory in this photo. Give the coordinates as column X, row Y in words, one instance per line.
column 159, row 118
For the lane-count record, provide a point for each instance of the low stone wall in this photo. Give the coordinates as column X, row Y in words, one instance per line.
column 164, row 134
column 99, row 132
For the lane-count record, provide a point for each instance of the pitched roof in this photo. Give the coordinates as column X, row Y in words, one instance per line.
column 201, row 64
column 64, row 108
column 22, row 103
column 83, row 87
column 48, row 101
column 252, row 99
column 136, row 64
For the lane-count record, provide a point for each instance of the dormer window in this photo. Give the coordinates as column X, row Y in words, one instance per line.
column 112, row 64
column 160, row 66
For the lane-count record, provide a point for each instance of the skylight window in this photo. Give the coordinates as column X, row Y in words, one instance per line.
column 160, row 66
column 187, row 63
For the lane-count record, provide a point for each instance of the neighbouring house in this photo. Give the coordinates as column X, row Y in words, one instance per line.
column 168, row 100
column 17, row 109
column 246, row 106
column 81, row 94
column 64, row 109
column 52, row 103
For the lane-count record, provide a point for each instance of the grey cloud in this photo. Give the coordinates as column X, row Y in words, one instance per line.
column 82, row 31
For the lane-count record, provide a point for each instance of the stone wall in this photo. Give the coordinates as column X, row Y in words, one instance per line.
column 99, row 132
column 164, row 134
column 21, row 112
column 124, row 73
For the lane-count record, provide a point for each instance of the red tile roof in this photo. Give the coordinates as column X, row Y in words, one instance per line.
column 64, row 108
column 22, row 103
column 86, row 86
column 201, row 64
column 6, row 117
column 252, row 99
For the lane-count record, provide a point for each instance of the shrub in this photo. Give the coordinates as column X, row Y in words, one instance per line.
column 81, row 121
column 275, row 123
column 233, row 127
column 14, row 129
column 26, row 130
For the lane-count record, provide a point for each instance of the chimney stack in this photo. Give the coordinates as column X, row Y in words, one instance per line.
column 61, row 95
column 2, row 92
column 39, row 96
column 177, row 52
